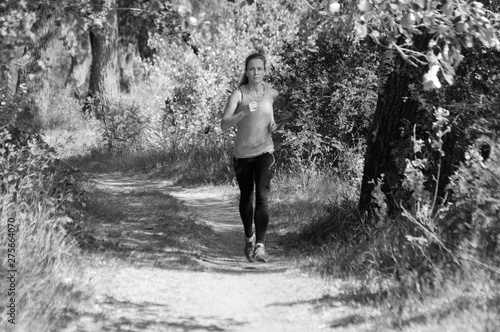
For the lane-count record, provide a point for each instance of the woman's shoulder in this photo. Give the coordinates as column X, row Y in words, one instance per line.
column 238, row 90
column 269, row 86
column 238, row 93
column 274, row 93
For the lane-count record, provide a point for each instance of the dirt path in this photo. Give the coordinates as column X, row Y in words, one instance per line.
column 215, row 289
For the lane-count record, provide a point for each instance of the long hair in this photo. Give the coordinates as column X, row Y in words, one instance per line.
column 244, row 77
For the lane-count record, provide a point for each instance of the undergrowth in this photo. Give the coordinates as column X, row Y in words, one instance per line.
column 37, row 195
column 400, row 259
column 428, row 252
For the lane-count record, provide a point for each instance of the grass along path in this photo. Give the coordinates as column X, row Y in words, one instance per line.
column 171, row 259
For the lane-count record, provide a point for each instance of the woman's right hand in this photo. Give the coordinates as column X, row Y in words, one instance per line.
column 252, row 106
column 247, row 110
column 229, row 119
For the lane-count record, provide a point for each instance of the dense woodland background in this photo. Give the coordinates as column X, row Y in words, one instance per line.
column 396, row 100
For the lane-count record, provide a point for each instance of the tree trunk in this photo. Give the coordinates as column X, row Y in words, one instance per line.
column 103, row 42
column 32, row 74
column 69, row 75
column 389, row 142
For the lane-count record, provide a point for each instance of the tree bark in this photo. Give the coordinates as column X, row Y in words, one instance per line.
column 69, row 75
column 38, row 86
column 389, row 142
column 103, row 82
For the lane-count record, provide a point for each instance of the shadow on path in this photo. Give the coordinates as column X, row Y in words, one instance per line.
column 179, row 266
column 147, row 316
column 156, row 223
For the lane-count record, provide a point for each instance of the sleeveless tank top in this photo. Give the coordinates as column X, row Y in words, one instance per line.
column 252, row 136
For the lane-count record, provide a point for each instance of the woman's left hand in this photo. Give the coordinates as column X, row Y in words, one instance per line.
column 272, row 127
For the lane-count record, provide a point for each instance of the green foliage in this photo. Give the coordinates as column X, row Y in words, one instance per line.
column 138, row 20
column 198, row 101
column 451, row 25
column 122, row 126
column 12, row 106
column 263, row 26
column 328, row 98
column 430, row 240
column 191, row 77
column 209, row 163
column 37, row 191
column 457, row 232
column 379, row 199
column 15, row 25
column 474, row 225
column 63, row 112
column 472, row 103
column 341, row 223
column 22, row 24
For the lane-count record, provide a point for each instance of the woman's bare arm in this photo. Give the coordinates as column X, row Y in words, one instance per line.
column 229, row 119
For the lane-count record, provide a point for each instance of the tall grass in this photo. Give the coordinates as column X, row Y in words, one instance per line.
column 66, row 129
column 34, row 189
column 422, row 265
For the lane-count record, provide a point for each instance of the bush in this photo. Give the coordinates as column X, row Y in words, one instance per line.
column 63, row 112
column 122, row 122
column 36, row 189
column 429, row 240
column 474, row 224
column 328, row 98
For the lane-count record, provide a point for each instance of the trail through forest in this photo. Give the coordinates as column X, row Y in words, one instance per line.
column 197, row 279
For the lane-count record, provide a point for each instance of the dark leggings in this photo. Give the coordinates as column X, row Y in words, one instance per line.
column 256, row 172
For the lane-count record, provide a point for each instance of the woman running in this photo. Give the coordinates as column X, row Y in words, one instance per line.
column 250, row 108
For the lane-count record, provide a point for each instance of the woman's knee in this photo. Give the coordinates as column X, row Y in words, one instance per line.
column 262, row 196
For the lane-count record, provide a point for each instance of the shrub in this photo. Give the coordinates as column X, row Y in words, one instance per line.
column 328, row 98
column 122, row 122
column 474, row 224
column 430, row 239
column 36, row 189
column 191, row 77
column 63, row 111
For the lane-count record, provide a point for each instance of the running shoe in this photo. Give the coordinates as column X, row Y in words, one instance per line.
column 260, row 253
column 250, row 248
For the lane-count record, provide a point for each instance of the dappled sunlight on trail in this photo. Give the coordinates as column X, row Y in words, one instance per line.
column 178, row 265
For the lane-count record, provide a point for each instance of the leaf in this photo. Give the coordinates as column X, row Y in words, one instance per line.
column 408, row 20
column 334, row 8
column 490, row 37
column 193, row 21
column 182, row 10
column 430, row 81
column 375, row 34
column 448, row 72
column 421, row 3
column 361, row 30
column 364, row 5
column 448, row 9
column 468, row 41
column 419, row 163
column 154, row 6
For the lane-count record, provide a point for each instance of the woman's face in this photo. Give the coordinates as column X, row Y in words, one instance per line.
column 255, row 71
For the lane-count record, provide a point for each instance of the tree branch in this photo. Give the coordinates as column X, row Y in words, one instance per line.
column 307, row 3
column 132, row 9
